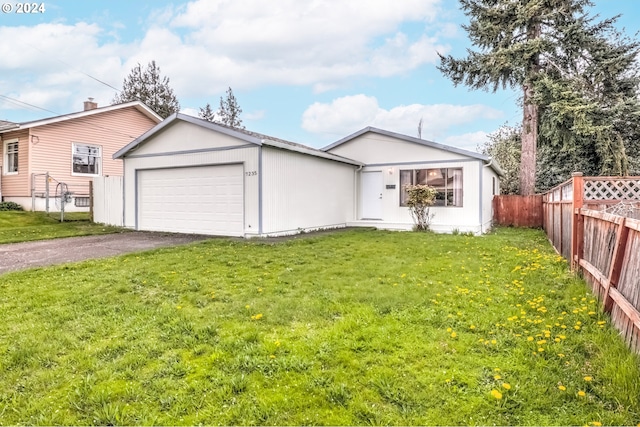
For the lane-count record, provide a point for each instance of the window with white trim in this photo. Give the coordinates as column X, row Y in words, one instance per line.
column 87, row 159
column 11, row 156
column 447, row 181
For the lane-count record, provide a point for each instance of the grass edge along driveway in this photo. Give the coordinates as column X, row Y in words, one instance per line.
column 360, row 327
column 23, row 226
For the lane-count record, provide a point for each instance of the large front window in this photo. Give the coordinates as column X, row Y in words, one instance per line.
column 447, row 181
column 11, row 156
column 86, row 159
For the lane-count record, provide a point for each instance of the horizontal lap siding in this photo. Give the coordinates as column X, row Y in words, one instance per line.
column 111, row 130
column 16, row 185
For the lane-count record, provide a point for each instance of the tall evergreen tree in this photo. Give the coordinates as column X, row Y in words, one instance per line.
column 207, row 113
column 148, row 86
column 229, row 111
column 543, row 47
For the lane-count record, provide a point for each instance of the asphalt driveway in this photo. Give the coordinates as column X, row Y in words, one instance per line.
column 20, row 256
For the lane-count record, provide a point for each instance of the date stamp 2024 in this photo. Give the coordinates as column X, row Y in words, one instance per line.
column 23, row 8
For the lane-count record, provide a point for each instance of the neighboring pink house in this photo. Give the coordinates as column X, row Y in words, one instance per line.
column 35, row 157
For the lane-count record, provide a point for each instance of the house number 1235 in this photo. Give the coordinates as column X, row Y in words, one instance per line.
column 251, row 173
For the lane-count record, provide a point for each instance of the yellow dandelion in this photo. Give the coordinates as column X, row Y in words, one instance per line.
column 449, row 329
column 494, row 342
column 541, row 342
column 582, row 393
column 529, row 338
column 277, row 343
column 577, row 327
column 272, row 356
column 179, row 307
column 472, row 327
column 497, row 369
column 453, row 335
column 497, row 377
column 595, row 423
column 588, row 378
column 496, row 394
column 247, row 306
column 506, row 386
column 560, row 355
column 562, row 388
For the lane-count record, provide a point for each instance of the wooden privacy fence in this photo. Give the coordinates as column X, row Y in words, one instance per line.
column 518, row 211
column 603, row 246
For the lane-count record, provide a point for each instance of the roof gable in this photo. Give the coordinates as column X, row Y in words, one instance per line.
column 241, row 134
column 71, row 116
column 458, row 152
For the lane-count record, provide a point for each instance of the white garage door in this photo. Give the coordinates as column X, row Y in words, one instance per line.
column 204, row 200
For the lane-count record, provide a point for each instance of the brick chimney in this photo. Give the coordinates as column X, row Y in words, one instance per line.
column 90, row 105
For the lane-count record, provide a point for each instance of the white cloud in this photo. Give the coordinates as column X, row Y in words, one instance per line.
column 468, row 141
column 348, row 114
column 254, row 115
column 207, row 45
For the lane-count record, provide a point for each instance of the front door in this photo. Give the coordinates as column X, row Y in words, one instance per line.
column 371, row 195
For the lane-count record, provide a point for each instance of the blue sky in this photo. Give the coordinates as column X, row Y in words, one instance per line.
column 308, row 71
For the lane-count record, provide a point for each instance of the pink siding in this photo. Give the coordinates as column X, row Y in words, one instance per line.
column 16, row 185
column 111, row 130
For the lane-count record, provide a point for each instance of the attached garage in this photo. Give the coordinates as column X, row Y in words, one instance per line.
column 202, row 199
column 188, row 175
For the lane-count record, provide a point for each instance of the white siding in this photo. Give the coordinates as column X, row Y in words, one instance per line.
column 107, row 200
column 247, row 156
column 446, row 219
column 489, row 176
column 185, row 136
column 303, row 192
column 373, row 148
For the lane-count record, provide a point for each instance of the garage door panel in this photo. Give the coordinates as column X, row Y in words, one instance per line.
column 206, row 200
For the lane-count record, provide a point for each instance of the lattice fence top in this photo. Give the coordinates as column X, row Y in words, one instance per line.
column 612, row 189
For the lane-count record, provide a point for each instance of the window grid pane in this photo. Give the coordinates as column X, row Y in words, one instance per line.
column 12, row 157
column 447, row 182
column 86, row 159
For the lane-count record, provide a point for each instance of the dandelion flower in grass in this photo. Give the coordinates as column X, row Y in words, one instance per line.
column 453, row 335
column 562, row 388
column 595, row 423
column 577, row 327
column 472, row 326
column 588, row 378
column 497, row 377
column 582, row 393
column 529, row 338
column 506, row 386
column 449, row 329
column 496, row 394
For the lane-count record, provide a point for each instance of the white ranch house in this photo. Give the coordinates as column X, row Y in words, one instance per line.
column 188, row 175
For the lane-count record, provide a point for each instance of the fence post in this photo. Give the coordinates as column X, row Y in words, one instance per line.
column 91, row 200
column 577, row 223
column 616, row 264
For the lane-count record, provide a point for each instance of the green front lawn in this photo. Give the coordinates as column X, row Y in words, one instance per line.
column 20, row 226
column 359, row 327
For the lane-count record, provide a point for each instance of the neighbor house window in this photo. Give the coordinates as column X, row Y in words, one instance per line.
column 11, row 156
column 87, row 159
column 447, row 181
